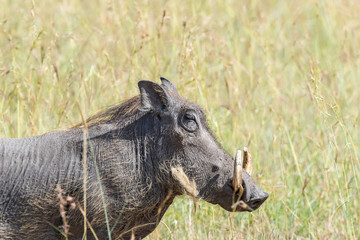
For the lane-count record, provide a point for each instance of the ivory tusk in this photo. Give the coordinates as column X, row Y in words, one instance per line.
column 237, row 178
column 247, row 161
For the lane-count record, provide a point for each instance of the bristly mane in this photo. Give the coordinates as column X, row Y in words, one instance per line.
column 115, row 115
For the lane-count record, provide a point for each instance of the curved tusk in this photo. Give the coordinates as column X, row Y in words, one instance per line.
column 237, row 178
column 247, row 161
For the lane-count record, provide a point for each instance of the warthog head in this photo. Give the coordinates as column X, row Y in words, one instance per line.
column 199, row 166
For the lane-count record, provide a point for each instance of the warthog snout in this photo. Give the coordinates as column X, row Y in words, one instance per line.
column 253, row 195
column 256, row 203
column 247, row 195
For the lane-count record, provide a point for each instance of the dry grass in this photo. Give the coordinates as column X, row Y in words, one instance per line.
column 278, row 76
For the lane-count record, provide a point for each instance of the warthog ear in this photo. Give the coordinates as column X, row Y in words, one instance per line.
column 153, row 96
column 168, row 85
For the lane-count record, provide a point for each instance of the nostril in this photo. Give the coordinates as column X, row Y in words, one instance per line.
column 256, row 202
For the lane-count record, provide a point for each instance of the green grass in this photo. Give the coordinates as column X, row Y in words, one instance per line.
column 281, row 77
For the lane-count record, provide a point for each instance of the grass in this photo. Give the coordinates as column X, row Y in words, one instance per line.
column 281, row 77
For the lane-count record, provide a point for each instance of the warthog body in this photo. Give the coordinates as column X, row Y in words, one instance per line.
column 133, row 151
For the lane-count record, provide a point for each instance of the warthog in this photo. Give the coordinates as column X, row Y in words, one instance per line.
column 138, row 155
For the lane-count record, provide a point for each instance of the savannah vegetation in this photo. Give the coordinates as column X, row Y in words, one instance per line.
column 281, row 77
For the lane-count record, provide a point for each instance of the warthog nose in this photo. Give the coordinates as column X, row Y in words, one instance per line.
column 256, row 203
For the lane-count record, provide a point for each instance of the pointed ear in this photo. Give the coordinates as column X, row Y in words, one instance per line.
column 153, row 96
column 168, row 85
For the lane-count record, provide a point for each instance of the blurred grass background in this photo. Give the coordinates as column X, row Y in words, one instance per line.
column 281, row 77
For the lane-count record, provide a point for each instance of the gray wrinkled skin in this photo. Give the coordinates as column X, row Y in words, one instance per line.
column 133, row 146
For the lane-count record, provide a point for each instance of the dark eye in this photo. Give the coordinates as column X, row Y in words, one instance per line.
column 188, row 121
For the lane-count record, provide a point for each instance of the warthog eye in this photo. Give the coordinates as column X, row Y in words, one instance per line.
column 188, row 121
